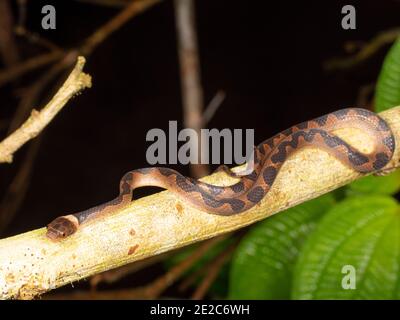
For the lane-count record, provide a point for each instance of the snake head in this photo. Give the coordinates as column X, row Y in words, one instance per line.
column 62, row 227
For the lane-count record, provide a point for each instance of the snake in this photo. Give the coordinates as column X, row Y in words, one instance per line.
column 251, row 188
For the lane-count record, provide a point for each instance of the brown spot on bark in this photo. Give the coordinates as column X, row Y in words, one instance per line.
column 132, row 232
column 10, row 278
column 133, row 249
column 179, row 208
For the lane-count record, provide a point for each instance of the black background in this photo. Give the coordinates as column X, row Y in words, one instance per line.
column 266, row 55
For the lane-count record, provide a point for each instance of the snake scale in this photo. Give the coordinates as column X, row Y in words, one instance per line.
column 268, row 159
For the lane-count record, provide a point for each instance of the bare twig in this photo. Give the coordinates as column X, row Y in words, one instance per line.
column 29, row 65
column 21, row 14
column 364, row 95
column 36, row 38
column 39, row 120
column 213, row 270
column 119, row 273
column 133, row 9
column 110, row 3
column 16, row 191
column 365, row 52
column 157, row 287
column 15, row 194
column 31, row 95
column 213, row 107
column 8, row 48
column 191, row 279
column 192, row 92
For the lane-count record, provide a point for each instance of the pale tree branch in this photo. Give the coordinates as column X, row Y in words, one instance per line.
column 31, row 264
column 152, row 290
column 38, row 120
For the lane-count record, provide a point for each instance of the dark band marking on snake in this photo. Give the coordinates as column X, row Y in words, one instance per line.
column 269, row 157
column 255, row 195
column 269, row 175
column 238, row 187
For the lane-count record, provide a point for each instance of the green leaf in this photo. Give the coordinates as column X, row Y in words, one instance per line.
column 386, row 185
column 388, row 87
column 361, row 232
column 262, row 265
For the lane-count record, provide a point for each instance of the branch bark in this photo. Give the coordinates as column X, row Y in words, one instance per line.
column 31, row 264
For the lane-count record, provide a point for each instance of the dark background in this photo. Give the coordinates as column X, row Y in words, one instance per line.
column 266, row 55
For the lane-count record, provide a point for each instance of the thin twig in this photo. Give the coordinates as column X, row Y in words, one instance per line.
column 115, row 275
column 364, row 95
column 133, row 9
column 110, row 3
column 130, row 11
column 8, row 48
column 16, row 191
column 365, row 52
column 213, row 270
column 31, row 95
column 76, row 82
column 88, row 46
column 29, row 65
column 212, row 107
column 22, row 14
column 192, row 92
column 157, row 287
column 191, row 279
column 37, row 39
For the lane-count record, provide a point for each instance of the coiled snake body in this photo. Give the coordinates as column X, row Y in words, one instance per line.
column 268, row 159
